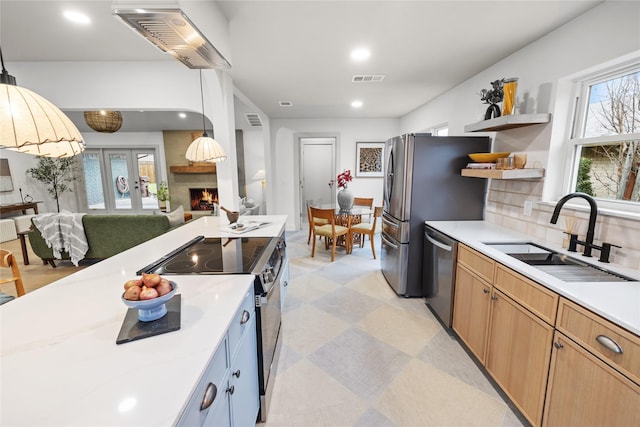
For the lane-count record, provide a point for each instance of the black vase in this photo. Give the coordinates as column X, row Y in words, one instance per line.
column 492, row 112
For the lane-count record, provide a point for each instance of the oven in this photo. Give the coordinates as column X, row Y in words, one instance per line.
column 263, row 257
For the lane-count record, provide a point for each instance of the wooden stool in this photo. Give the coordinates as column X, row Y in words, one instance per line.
column 8, row 260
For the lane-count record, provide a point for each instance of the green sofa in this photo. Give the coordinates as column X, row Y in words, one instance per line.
column 107, row 235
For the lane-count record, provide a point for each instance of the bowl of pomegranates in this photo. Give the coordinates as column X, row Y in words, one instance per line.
column 149, row 294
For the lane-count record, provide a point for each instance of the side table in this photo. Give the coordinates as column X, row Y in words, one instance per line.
column 23, row 246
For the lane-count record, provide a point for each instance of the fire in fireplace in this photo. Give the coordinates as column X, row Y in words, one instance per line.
column 203, row 199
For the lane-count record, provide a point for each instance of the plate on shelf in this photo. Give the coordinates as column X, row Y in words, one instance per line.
column 488, row 157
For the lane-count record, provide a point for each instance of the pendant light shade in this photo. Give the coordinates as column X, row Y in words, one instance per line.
column 103, row 121
column 31, row 124
column 205, row 149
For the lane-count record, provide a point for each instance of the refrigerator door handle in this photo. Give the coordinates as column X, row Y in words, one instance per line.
column 393, row 224
column 437, row 243
column 389, row 242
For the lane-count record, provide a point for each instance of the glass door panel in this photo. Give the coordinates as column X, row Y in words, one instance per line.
column 147, row 184
column 92, row 167
column 119, row 168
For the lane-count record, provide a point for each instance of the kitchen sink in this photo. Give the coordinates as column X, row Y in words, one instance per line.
column 561, row 266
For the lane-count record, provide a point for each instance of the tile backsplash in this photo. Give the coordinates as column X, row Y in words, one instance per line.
column 505, row 207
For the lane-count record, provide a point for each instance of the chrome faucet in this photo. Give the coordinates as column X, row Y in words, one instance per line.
column 588, row 244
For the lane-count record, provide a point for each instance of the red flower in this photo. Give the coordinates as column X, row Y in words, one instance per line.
column 344, row 177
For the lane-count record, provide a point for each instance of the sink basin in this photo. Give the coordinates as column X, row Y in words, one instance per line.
column 563, row 267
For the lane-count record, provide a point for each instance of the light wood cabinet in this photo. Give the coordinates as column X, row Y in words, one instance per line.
column 614, row 345
column 517, row 355
column 471, row 310
column 587, row 374
column 584, row 391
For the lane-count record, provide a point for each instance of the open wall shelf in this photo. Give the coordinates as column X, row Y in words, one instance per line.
column 508, row 122
column 504, row 173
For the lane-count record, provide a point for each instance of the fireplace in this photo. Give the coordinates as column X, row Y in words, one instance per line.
column 203, row 199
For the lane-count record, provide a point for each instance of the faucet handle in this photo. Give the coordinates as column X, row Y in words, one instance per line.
column 605, row 251
column 573, row 241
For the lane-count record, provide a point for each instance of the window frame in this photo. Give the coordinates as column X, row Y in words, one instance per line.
column 577, row 125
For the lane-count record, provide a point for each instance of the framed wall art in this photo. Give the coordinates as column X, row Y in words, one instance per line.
column 369, row 159
column 6, row 184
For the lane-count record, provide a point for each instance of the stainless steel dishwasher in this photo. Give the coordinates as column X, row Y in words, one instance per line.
column 439, row 273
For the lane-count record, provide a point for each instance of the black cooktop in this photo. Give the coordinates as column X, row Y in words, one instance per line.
column 226, row 255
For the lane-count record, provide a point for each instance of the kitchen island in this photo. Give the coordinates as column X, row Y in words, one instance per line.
column 59, row 361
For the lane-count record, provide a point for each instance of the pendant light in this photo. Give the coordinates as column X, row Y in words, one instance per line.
column 31, row 124
column 205, row 149
column 103, row 121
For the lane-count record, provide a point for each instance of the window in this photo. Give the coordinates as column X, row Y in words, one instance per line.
column 442, row 130
column 606, row 138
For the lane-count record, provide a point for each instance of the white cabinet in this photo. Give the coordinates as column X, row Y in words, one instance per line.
column 228, row 394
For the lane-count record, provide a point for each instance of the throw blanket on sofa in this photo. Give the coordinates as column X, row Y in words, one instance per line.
column 63, row 232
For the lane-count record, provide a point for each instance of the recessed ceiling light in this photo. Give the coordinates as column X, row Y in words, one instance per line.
column 286, row 103
column 77, row 17
column 182, row 115
column 360, row 54
column 356, row 104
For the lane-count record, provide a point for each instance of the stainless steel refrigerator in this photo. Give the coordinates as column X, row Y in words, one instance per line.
column 423, row 183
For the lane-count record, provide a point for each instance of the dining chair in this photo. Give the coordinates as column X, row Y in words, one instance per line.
column 8, row 260
column 364, row 201
column 329, row 231
column 367, row 229
column 312, row 221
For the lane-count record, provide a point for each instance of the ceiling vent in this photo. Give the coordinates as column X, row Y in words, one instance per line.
column 286, row 103
column 253, row 119
column 366, row 78
column 172, row 32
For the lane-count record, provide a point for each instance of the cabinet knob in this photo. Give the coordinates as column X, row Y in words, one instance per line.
column 245, row 317
column 485, row 291
column 494, row 297
column 609, row 343
column 237, row 373
column 558, row 345
column 209, row 396
column 231, row 389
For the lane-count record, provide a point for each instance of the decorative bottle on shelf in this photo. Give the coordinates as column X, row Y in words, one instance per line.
column 345, row 200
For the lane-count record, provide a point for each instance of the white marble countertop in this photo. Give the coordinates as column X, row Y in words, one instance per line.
column 59, row 361
column 617, row 301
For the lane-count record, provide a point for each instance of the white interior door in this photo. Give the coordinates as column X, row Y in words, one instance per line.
column 317, row 170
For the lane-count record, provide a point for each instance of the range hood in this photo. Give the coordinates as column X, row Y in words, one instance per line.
column 172, row 32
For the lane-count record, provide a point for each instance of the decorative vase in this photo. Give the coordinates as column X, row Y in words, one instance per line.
column 345, row 200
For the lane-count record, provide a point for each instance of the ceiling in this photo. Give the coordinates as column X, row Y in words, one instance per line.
column 298, row 51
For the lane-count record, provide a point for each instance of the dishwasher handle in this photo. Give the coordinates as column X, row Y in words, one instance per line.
column 437, row 243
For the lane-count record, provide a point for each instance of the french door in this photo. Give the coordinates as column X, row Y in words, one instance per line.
column 121, row 180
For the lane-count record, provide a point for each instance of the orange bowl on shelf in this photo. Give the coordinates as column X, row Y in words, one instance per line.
column 487, row 157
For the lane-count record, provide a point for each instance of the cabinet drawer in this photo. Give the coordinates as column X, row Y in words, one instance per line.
column 536, row 298
column 595, row 333
column 211, row 387
column 480, row 264
column 241, row 321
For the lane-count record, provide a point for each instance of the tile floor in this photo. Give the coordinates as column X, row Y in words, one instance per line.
column 356, row 354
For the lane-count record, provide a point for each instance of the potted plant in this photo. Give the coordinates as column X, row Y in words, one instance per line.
column 56, row 174
column 163, row 195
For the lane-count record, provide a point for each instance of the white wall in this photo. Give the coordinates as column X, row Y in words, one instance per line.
column 599, row 36
column 285, row 159
column 166, row 85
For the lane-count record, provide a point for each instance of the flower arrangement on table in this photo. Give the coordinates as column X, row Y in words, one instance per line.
column 344, row 178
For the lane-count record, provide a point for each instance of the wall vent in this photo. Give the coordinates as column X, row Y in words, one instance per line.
column 286, row 104
column 253, row 119
column 171, row 31
column 366, row 78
